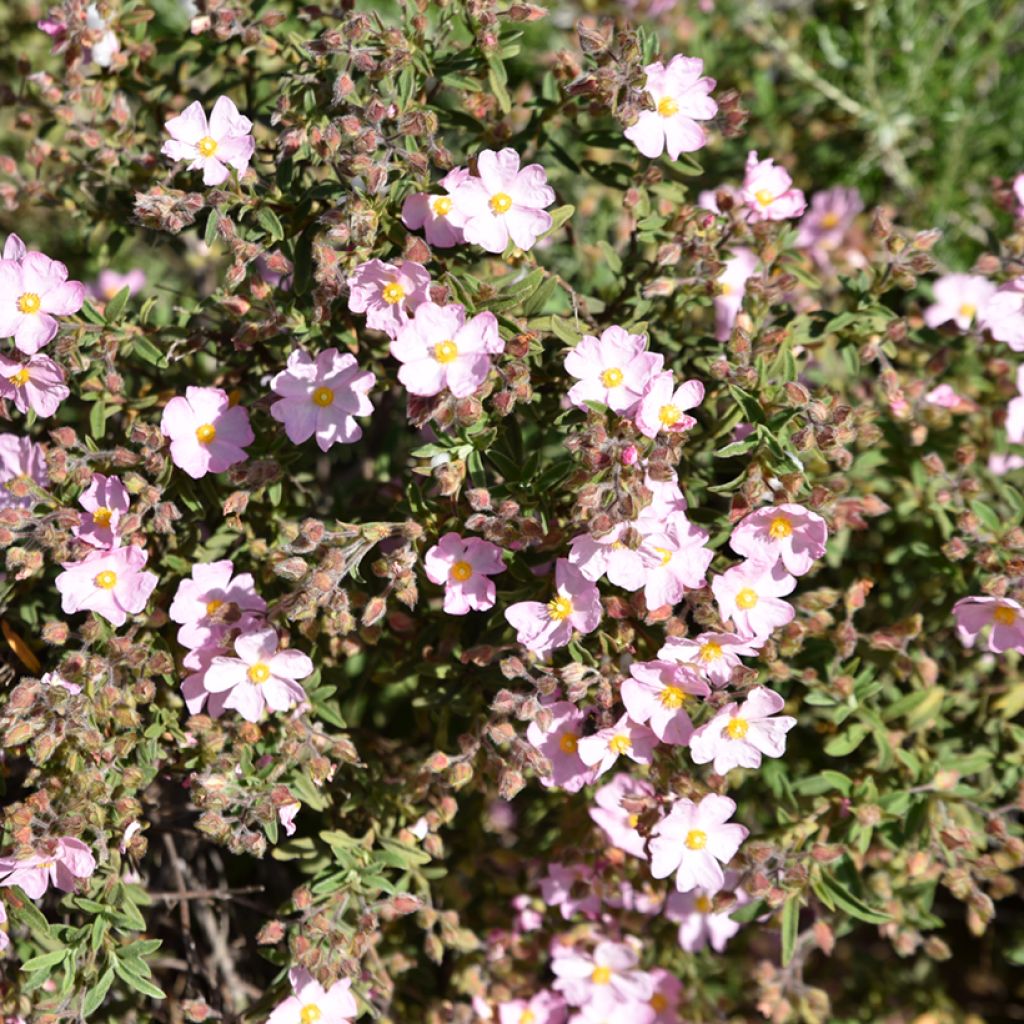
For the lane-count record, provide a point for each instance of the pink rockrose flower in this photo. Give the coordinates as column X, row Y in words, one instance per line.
column 439, row 348
column 60, row 865
column 559, row 743
column 322, row 397
column 34, row 291
column 1003, row 315
column 658, row 693
column 944, row 397
column 311, row 1003
column 614, row 370
column 36, row 384
column 662, row 410
column 56, row 679
column 606, row 980
column 1003, row 614
column 676, row 561
column 436, row 214
column 740, row 734
column 211, row 600
column 504, row 202
column 261, row 676
column 617, row 823
column 768, row 191
column 693, row 840
column 20, row 460
column 110, row 283
column 463, row 566
column 788, row 533
column 680, row 95
column 714, row 655
column 959, row 297
column 207, row 433
column 610, row 555
column 625, row 738
column 105, row 500
column 1001, row 463
column 576, row 605
column 663, row 1006
column 544, row 1008
column 732, row 286
column 750, row 594
column 193, row 687
column 823, row 227
column 699, row 924
column 114, row 584
column 570, row 889
column 14, row 248
column 212, row 146
column 387, row 293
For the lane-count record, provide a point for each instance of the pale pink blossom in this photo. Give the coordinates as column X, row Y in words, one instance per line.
column 541, row 627
column 944, row 397
column 36, row 383
column 740, row 734
column 613, row 370
column 311, row 1003
column 714, row 655
column 823, row 227
column 1003, row 315
column 439, row 348
column 321, row 397
column 208, row 603
column 676, row 561
column 693, row 841
column 436, row 214
column 504, row 202
column 543, row 1008
column 768, row 191
column 286, row 816
column 625, row 738
column 114, row 584
column 463, row 566
column 960, row 298
column 61, row 864
column 105, row 500
column 615, row 554
column 617, row 823
column 750, row 594
column 699, row 924
column 193, row 687
column 34, row 291
column 1003, row 614
column 660, row 694
column 788, row 533
column 569, row 888
column 110, row 283
column 21, row 460
column 732, row 286
column 663, row 1006
column 606, row 980
column 14, row 248
column 212, row 146
column 207, row 433
column 680, row 94
column 56, row 679
column 1001, row 463
column 559, row 743
column 387, row 293
column 662, row 409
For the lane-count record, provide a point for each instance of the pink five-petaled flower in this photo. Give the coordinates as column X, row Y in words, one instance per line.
column 713, row 655
column 261, row 676
column 36, row 384
column 311, row 1003
column 387, row 293
column 676, row 561
column 1003, row 614
column 225, row 141
column 21, row 460
column 751, row 595
column 662, row 409
column 768, row 191
column 504, row 202
column 193, row 687
column 790, row 533
column 823, row 227
column 439, row 348
column 663, row 1006
column 614, row 369
column 613, row 555
column 34, row 290
column 321, row 397
column 110, row 282
column 658, row 694
column 208, row 434
column 740, row 733
column 542, row 627
column 681, row 97
column 441, row 222
column 625, row 737
column 732, row 286
column 67, row 860
column 570, row 888
column 543, row 1008
column 559, row 743
column 617, row 823
column 1003, row 314
column 105, row 500
column 699, row 924
column 692, row 839
column 463, row 567
column 606, row 979
column 959, row 297
column 205, row 604
column 113, row 584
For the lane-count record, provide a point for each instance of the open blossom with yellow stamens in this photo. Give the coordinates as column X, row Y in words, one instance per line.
column 437, row 214
column 311, row 1003
column 959, row 298
column 662, row 409
column 823, row 228
column 36, row 384
column 387, row 293
column 59, row 863
column 543, row 626
column 113, row 584
column 740, row 734
column 750, row 594
column 768, row 191
column 625, row 738
column 211, row 146
column 699, row 924
column 34, row 291
column 618, row 823
column 607, row 983
column 463, row 566
column 210, row 600
column 675, row 560
column 712, row 655
column 788, row 533
column 614, row 370
column 662, row 694
column 1003, row 614
column 207, row 433
column 105, row 501
column 558, row 740
column 545, row 1007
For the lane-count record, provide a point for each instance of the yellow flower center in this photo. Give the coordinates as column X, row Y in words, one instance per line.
column 213, row 606
column 46, row 865
column 725, row 288
column 392, row 293
column 669, row 415
column 310, row 1013
column 702, row 905
column 634, row 820
column 500, row 203
column 559, row 608
column 461, row 571
column 830, row 220
column 780, row 528
column 323, row 397
column 207, row 146
column 29, row 302
column 668, row 107
column 102, row 516
column 527, row 1017
column 611, row 378
column 746, row 599
column 259, row 673
column 601, row 976
column 441, row 206
column 206, row 433
column 672, row 697
column 764, row 197
column 968, row 310
column 658, row 1002
column 620, row 744
column 106, row 580
column 568, row 743
column 1005, row 615
column 20, row 379
column 696, row 839
column 737, row 728
column 666, row 555
column 710, row 651
column 445, row 351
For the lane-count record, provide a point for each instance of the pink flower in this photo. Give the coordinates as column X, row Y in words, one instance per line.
column 213, row 598
column 692, row 839
column 945, row 397
column 676, row 561
column 751, row 595
column 440, row 349
column 56, row 679
column 322, row 397
column 113, row 584
column 33, row 292
column 225, row 141
column 768, row 191
column 559, row 743
column 611, row 555
column 387, row 293
column 740, row 733
column 437, row 215
column 789, row 533
column 959, row 297
column 105, row 500
column 1001, row 464
column 260, row 677
column 109, row 283
column 543, row 1008
column 625, row 737
column 732, row 286
column 614, row 370
column 463, row 567
column 663, row 406
column 20, row 459
column 663, row 1006
column 504, row 202
column 193, row 686
column 681, row 97
column 207, row 434
column 823, row 227
column 1003, row 315
column 714, row 655
column 68, row 860
column 699, row 925
column 570, row 888
column 617, row 823
column 311, row 1002
column 14, row 248
column 542, row 627
column 36, row 384
column 659, row 694
column 606, row 980
column 286, row 816
column 1003, row 614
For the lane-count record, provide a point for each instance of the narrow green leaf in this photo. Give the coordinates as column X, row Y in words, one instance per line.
column 95, row 996
column 115, row 307
column 98, row 419
column 790, row 926
column 45, row 960
column 271, row 223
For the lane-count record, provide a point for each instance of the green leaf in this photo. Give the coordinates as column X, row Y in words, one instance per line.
column 790, row 926
column 115, row 307
column 46, row 960
column 271, row 223
column 558, row 218
column 497, row 76
column 210, row 235
column 124, row 971
column 98, row 419
column 147, row 351
column 95, row 996
column 842, row 899
column 846, row 742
